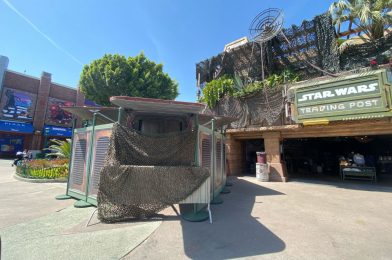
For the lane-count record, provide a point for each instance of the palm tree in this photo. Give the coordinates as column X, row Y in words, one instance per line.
column 60, row 149
column 370, row 16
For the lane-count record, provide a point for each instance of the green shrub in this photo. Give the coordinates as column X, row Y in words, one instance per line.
column 273, row 81
column 49, row 173
column 43, row 169
column 216, row 89
column 40, row 156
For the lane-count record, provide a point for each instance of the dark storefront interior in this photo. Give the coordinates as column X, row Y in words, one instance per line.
column 252, row 146
column 320, row 158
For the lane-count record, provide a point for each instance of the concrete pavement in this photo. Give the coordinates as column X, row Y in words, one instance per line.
column 23, row 201
column 294, row 220
column 33, row 225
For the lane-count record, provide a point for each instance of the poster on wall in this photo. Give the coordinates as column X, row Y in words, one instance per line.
column 57, row 116
column 17, row 104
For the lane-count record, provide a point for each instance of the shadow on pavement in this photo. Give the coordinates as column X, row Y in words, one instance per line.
column 235, row 232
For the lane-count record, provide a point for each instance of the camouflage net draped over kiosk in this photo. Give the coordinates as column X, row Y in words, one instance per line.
column 144, row 174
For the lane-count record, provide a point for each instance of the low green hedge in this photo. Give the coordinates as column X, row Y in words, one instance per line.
column 55, row 172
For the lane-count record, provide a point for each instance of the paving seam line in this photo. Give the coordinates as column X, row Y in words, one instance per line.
column 133, row 249
column 74, row 233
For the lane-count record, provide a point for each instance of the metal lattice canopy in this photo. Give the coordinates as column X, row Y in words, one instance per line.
column 266, row 25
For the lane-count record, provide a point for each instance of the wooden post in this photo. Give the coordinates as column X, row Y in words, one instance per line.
column 235, row 156
column 277, row 168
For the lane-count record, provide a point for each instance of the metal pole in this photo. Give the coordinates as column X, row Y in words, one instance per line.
column 213, row 156
column 197, row 159
column 66, row 196
column 197, row 162
column 88, row 171
column 120, row 112
column 70, row 157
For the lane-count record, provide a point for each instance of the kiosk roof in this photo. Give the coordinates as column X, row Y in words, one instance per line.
column 158, row 106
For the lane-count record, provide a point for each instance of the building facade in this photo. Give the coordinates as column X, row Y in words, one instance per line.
column 30, row 110
column 331, row 119
column 342, row 106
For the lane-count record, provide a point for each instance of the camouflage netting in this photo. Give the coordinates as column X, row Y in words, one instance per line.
column 144, row 174
column 310, row 50
column 312, row 44
column 313, row 41
column 262, row 108
column 359, row 56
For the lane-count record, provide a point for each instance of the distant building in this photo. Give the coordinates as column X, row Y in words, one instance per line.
column 30, row 112
column 236, row 44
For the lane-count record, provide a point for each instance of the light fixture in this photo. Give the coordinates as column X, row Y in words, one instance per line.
column 315, row 122
column 363, row 139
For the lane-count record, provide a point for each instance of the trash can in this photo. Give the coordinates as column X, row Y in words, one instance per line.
column 262, row 172
column 261, row 157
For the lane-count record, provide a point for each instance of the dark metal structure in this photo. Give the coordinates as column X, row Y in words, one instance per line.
column 265, row 26
column 311, row 42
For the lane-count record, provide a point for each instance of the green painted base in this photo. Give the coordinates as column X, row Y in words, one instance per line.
column 199, row 216
column 229, row 184
column 63, row 197
column 82, row 204
column 216, row 200
column 225, row 191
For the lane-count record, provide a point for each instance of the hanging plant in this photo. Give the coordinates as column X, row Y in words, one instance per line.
column 273, row 81
column 216, row 89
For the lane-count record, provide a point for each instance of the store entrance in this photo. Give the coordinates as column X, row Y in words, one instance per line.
column 252, row 146
column 324, row 158
column 10, row 144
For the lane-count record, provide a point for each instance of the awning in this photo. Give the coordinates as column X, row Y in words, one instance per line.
column 86, row 113
column 16, row 127
column 157, row 106
column 149, row 106
column 50, row 130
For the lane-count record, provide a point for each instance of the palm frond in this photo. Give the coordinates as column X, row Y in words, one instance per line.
column 59, row 148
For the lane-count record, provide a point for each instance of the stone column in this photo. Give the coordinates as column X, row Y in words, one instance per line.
column 234, row 156
column 41, row 109
column 277, row 168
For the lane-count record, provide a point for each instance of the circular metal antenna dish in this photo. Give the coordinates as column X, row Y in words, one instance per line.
column 266, row 25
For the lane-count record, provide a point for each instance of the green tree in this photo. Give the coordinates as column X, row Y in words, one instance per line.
column 60, row 149
column 372, row 16
column 116, row 75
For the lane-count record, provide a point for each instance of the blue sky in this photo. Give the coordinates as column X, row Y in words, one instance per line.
column 62, row 36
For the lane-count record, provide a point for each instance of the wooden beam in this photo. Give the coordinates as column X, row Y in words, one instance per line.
column 335, row 129
column 349, row 32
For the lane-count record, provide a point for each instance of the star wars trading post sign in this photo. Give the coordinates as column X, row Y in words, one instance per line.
column 358, row 96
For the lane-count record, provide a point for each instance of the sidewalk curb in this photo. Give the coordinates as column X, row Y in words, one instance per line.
column 19, row 178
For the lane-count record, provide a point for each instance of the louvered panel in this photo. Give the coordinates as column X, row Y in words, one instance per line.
column 78, row 165
column 206, row 151
column 201, row 195
column 100, row 151
column 218, row 163
column 224, row 176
